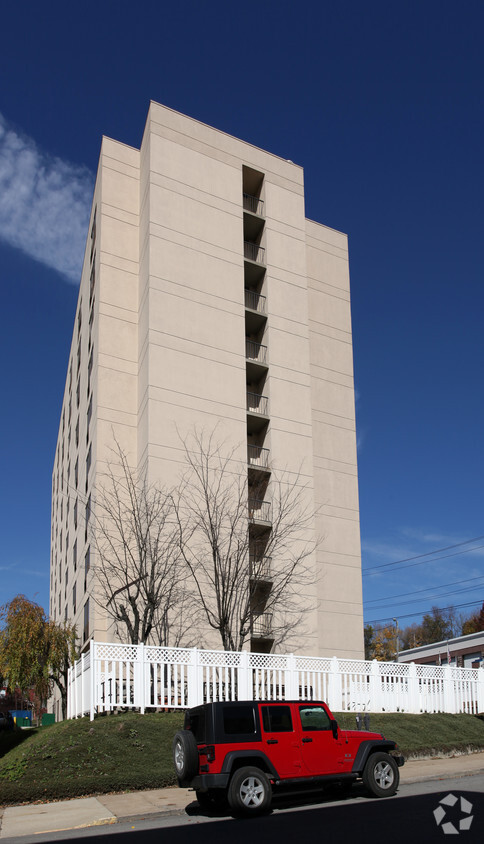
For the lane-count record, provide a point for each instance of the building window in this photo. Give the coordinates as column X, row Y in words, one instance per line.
column 88, row 514
column 75, row 514
column 87, row 566
column 77, row 432
column 78, row 392
column 76, row 473
column 92, row 280
column 89, row 372
column 89, row 412
column 79, row 317
column 88, row 461
column 74, row 605
column 79, row 357
column 86, row 621
column 74, row 554
column 91, row 320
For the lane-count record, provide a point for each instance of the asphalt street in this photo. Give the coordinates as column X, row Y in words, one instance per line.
column 420, row 812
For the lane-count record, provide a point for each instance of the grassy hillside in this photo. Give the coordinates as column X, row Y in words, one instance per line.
column 132, row 751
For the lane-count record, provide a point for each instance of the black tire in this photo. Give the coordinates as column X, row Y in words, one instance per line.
column 380, row 775
column 250, row 792
column 185, row 756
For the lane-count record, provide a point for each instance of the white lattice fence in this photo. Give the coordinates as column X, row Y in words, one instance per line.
column 115, row 676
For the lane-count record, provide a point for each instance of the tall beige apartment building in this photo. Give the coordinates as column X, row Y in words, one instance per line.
column 208, row 299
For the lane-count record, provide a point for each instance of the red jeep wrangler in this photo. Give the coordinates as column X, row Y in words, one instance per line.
column 242, row 751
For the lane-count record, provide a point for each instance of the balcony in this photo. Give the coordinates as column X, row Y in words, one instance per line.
column 254, row 252
column 255, row 312
column 257, row 404
column 258, row 457
column 253, row 204
column 256, row 352
column 260, row 570
column 255, row 301
column 259, row 511
column 262, row 625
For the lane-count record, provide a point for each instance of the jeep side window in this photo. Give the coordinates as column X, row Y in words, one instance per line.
column 314, row 718
column 196, row 723
column 276, row 719
column 238, row 720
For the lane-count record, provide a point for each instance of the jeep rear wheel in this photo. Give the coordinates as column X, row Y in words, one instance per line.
column 250, row 792
column 185, row 756
column 380, row 775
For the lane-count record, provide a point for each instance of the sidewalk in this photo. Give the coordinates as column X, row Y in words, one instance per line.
column 111, row 808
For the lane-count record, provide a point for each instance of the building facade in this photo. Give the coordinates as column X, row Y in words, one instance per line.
column 208, row 299
column 462, row 651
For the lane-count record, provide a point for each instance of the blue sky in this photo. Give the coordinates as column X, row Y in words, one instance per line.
column 382, row 104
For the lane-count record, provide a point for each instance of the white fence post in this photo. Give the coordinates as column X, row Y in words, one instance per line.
column 93, row 671
column 480, row 689
column 375, row 688
column 192, row 679
column 335, row 702
column 69, row 693
column 290, row 681
column 140, row 677
column 245, row 686
column 449, row 691
column 413, row 693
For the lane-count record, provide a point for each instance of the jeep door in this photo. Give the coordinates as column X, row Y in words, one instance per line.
column 280, row 740
column 321, row 752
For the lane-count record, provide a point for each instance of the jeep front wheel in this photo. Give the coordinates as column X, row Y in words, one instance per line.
column 185, row 756
column 380, row 775
column 250, row 792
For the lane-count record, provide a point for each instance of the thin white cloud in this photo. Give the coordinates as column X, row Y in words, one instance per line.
column 44, row 203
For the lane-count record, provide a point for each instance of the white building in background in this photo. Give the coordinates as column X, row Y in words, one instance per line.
column 207, row 298
column 462, row 651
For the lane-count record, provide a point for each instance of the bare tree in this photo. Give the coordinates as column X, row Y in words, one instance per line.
column 138, row 563
column 248, row 557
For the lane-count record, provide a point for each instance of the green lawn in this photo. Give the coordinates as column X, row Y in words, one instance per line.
column 131, row 751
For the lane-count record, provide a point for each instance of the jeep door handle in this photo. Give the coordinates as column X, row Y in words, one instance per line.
column 305, row 740
column 272, row 741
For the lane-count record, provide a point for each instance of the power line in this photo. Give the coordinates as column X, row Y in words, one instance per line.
column 424, row 612
column 427, row 598
column 436, row 551
column 419, row 591
column 434, row 559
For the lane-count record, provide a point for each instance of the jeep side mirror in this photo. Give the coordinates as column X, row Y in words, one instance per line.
column 334, row 727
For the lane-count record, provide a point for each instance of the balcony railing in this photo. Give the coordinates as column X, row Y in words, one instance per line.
column 254, row 252
column 260, row 569
column 255, row 351
column 259, row 511
column 262, row 624
column 253, row 204
column 255, row 301
column 257, row 404
column 258, row 456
